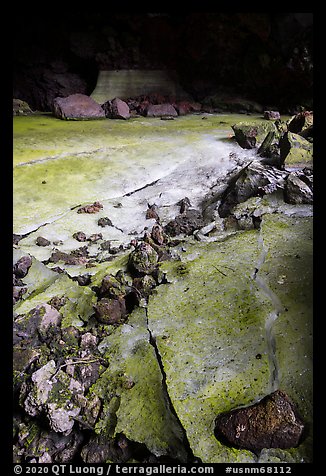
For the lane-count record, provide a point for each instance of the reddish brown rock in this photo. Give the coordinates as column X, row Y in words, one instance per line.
column 77, row 107
column 187, row 107
column 151, row 212
column 22, row 266
column 161, row 110
column 116, row 109
column 110, row 311
column 158, row 235
column 271, row 423
column 94, row 208
column 272, row 115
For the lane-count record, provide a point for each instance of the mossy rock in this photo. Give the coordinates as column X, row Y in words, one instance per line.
column 295, row 150
column 252, row 134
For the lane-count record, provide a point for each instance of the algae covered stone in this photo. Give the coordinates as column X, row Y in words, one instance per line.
column 295, row 150
column 251, row 134
column 143, row 260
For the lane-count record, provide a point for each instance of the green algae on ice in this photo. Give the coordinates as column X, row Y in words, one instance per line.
column 60, row 164
column 133, row 392
column 211, row 327
column 288, row 271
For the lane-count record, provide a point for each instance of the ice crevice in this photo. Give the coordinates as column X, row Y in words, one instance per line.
column 277, row 310
column 153, row 343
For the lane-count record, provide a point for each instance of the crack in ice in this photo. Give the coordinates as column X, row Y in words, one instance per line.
column 278, row 308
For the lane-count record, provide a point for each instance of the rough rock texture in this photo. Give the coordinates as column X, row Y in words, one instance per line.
column 295, row 150
column 297, row 191
column 22, row 266
column 161, row 110
column 143, row 259
column 20, row 108
column 249, row 135
column 110, row 311
column 187, row 107
column 272, row 423
column 77, row 107
column 272, row 115
column 185, row 223
column 301, row 121
column 252, row 180
column 116, row 109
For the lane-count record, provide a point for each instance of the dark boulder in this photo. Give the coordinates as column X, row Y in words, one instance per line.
column 116, row 109
column 251, row 134
column 297, row 191
column 272, row 115
column 271, row 423
column 161, row 110
column 255, row 179
column 20, row 108
column 110, row 311
column 187, row 107
column 185, row 224
column 22, row 266
column 295, row 149
column 300, row 122
column 41, row 241
column 77, row 107
column 143, row 260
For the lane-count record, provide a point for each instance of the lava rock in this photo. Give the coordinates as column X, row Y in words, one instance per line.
column 274, row 422
column 105, row 221
column 40, row 241
column 184, row 204
column 83, row 279
column 116, row 109
column 77, row 107
column 185, row 224
column 301, row 121
column 297, row 191
column 67, row 258
column 22, row 266
column 20, row 108
column 79, row 236
column 272, row 115
column 95, row 237
column 151, row 212
column 160, row 110
column 111, row 287
column 94, row 208
column 158, row 235
column 187, row 107
column 110, row 311
column 143, row 259
column 18, row 293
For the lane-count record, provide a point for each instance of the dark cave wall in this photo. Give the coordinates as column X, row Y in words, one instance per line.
column 262, row 56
